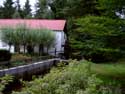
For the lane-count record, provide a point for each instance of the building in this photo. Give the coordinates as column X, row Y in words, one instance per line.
column 57, row 26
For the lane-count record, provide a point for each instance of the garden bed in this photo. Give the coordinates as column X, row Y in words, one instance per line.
column 21, row 59
column 30, row 69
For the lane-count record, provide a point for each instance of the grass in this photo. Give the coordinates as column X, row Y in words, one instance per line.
column 110, row 70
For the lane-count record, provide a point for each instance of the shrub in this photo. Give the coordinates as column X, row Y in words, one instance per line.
column 75, row 78
column 104, row 55
column 98, row 38
column 29, row 58
column 5, row 55
column 20, row 57
column 5, row 81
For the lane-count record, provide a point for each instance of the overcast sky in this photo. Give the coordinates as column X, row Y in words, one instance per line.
column 22, row 2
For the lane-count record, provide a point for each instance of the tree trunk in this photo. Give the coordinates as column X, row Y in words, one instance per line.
column 41, row 49
column 24, row 48
column 47, row 50
column 30, row 49
column 17, row 48
column 10, row 47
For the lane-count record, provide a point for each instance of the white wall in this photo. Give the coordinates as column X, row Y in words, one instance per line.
column 60, row 40
column 6, row 47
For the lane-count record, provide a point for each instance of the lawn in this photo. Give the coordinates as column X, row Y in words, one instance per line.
column 110, row 71
column 23, row 59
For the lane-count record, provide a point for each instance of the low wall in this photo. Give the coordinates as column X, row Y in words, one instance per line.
column 30, row 69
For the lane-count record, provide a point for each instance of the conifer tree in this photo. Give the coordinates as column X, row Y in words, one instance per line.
column 8, row 9
column 43, row 10
column 18, row 10
column 27, row 10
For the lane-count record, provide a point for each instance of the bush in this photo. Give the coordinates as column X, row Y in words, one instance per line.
column 29, row 58
column 5, row 55
column 20, row 57
column 104, row 55
column 4, row 81
column 75, row 78
column 98, row 39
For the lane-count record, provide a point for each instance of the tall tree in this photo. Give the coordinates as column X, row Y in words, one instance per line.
column 43, row 10
column 18, row 5
column 8, row 9
column 112, row 7
column 73, row 8
column 27, row 10
column 16, row 15
column 95, row 37
column 18, row 10
column 1, row 12
column 58, row 7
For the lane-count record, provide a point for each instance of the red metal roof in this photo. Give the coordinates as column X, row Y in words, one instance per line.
column 34, row 23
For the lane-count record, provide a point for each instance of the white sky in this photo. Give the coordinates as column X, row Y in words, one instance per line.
column 22, row 2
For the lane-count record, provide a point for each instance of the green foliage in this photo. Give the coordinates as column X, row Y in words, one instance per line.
column 98, row 38
column 57, row 7
column 27, row 10
column 111, row 70
column 8, row 5
column 1, row 12
column 18, row 11
column 28, row 37
column 42, row 10
column 76, row 78
column 16, row 15
column 20, row 58
column 5, row 81
column 72, row 8
column 110, row 8
column 7, row 34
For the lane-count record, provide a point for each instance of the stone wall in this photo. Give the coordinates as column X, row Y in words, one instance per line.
column 31, row 69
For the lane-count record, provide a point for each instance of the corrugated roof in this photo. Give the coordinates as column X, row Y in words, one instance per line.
column 34, row 23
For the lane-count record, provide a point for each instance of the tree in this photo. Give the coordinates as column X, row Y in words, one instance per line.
column 16, row 15
column 18, row 11
column 43, row 10
column 20, row 33
column 8, row 9
column 95, row 37
column 27, row 10
column 29, row 38
column 81, row 7
column 57, row 7
column 1, row 12
column 7, row 36
column 48, row 42
column 73, row 8
column 112, row 8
